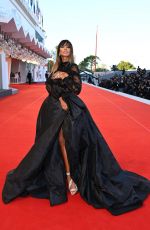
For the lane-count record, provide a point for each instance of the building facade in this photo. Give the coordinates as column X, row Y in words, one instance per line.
column 21, row 42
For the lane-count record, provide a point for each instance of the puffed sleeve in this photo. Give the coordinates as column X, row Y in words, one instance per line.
column 73, row 82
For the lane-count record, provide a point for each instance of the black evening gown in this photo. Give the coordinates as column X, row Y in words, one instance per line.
column 100, row 179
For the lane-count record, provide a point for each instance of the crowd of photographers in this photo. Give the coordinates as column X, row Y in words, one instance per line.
column 136, row 83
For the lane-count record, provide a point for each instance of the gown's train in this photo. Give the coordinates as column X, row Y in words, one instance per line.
column 100, row 179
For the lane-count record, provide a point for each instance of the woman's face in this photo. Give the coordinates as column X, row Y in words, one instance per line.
column 64, row 51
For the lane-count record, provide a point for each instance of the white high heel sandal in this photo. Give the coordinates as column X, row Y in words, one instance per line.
column 73, row 191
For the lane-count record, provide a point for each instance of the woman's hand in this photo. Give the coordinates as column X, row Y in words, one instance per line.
column 63, row 104
column 59, row 75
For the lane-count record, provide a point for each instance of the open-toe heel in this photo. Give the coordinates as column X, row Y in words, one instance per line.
column 73, row 191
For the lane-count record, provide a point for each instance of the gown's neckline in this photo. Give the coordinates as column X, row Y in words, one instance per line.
column 65, row 64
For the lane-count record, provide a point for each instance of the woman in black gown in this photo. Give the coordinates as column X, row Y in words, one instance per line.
column 68, row 141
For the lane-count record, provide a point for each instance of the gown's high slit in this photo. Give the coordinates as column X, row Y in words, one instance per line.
column 100, row 180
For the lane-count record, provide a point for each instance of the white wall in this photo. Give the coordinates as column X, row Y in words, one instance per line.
column 4, row 81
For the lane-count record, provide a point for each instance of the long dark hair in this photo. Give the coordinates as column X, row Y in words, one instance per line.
column 58, row 58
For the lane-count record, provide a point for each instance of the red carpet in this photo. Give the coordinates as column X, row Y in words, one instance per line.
column 126, row 126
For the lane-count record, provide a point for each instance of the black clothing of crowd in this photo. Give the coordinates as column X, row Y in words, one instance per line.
column 137, row 84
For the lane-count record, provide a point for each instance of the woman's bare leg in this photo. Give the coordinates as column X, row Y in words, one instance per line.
column 64, row 154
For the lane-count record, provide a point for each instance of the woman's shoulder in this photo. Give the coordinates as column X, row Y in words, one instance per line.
column 74, row 67
column 73, row 64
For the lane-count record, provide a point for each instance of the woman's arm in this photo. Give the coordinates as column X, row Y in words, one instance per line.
column 73, row 80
